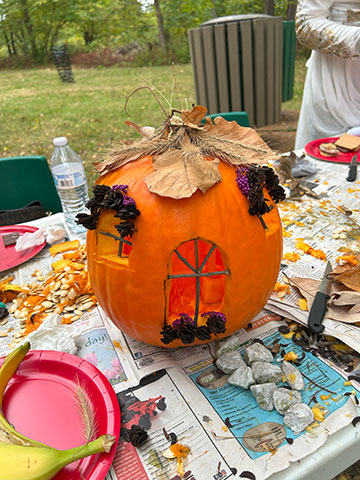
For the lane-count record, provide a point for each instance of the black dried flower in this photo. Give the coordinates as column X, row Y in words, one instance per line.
column 93, row 205
column 137, row 435
column 258, row 205
column 125, row 229
column 203, row 333
column 113, row 200
column 256, row 176
column 187, row 333
column 216, row 325
column 87, row 221
column 277, row 193
column 100, row 191
column 127, row 212
column 169, row 334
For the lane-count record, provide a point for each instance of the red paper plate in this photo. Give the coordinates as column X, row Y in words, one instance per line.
column 9, row 257
column 40, row 402
column 312, row 149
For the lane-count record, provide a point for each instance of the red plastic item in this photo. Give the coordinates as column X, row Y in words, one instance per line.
column 40, row 402
column 9, row 257
column 312, row 149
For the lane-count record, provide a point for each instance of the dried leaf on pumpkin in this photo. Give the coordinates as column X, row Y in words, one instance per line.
column 186, row 153
column 234, row 144
column 179, row 173
column 193, row 118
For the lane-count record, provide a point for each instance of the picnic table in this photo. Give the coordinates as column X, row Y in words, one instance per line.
column 183, row 393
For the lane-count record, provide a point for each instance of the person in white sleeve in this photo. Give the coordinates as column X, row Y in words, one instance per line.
column 331, row 99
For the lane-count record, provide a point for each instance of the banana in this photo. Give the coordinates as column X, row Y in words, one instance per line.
column 22, row 458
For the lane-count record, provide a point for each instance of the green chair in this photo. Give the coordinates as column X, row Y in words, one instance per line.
column 240, row 117
column 26, row 179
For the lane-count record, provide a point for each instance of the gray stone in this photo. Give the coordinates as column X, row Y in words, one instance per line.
column 227, row 344
column 298, row 417
column 256, row 352
column 263, row 395
column 242, row 377
column 284, row 398
column 230, row 361
column 293, row 376
column 266, row 372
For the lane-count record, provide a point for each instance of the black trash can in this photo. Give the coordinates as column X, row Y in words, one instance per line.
column 237, row 66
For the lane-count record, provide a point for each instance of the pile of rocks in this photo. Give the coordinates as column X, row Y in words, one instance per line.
column 257, row 372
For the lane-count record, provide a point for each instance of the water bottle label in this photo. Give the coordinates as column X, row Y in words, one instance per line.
column 69, row 180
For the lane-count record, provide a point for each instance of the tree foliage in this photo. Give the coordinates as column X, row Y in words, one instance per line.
column 31, row 27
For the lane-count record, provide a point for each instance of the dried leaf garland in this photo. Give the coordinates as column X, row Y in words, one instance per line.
column 186, row 154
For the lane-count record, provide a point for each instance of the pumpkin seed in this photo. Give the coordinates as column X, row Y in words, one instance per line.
column 72, row 294
column 86, row 306
column 12, row 308
column 47, row 304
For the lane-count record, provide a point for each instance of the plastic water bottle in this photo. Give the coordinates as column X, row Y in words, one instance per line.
column 70, row 181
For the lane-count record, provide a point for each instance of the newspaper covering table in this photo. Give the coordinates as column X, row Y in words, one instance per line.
column 222, row 425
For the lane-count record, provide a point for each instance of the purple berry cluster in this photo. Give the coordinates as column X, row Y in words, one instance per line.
column 215, row 315
column 184, row 318
column 242, row 179
column 127, row 200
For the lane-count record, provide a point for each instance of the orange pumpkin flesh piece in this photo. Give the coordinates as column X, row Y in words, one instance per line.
column 135, row 292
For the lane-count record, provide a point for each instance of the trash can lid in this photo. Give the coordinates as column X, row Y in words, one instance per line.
column 234, row 18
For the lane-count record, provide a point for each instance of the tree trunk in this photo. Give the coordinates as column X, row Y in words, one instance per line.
column 29, row 30
column 160, row 22
column 12, row 42
column 8, row 45
column 269, row 7
column 291, row 10
column 88, row 37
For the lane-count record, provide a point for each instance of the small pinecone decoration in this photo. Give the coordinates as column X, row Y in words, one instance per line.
column 137, row 435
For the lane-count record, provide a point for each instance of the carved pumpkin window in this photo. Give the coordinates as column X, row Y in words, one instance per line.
column 125, row 245
column 196, row 279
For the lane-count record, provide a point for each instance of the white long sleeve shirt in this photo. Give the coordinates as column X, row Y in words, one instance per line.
column 331, row 99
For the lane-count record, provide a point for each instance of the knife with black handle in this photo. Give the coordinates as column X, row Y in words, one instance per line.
column 352, row 169
column 319, row 305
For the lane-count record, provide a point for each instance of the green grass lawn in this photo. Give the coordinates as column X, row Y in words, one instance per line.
column 35, row 107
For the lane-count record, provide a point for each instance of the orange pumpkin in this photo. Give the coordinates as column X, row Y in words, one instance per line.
column 191, row 255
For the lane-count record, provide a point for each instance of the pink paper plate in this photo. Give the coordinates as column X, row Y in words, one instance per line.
column 40, row 402
column 312, row 149
column 9, row 257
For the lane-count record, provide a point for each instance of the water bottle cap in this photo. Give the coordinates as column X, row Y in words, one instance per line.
column 60, row 141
